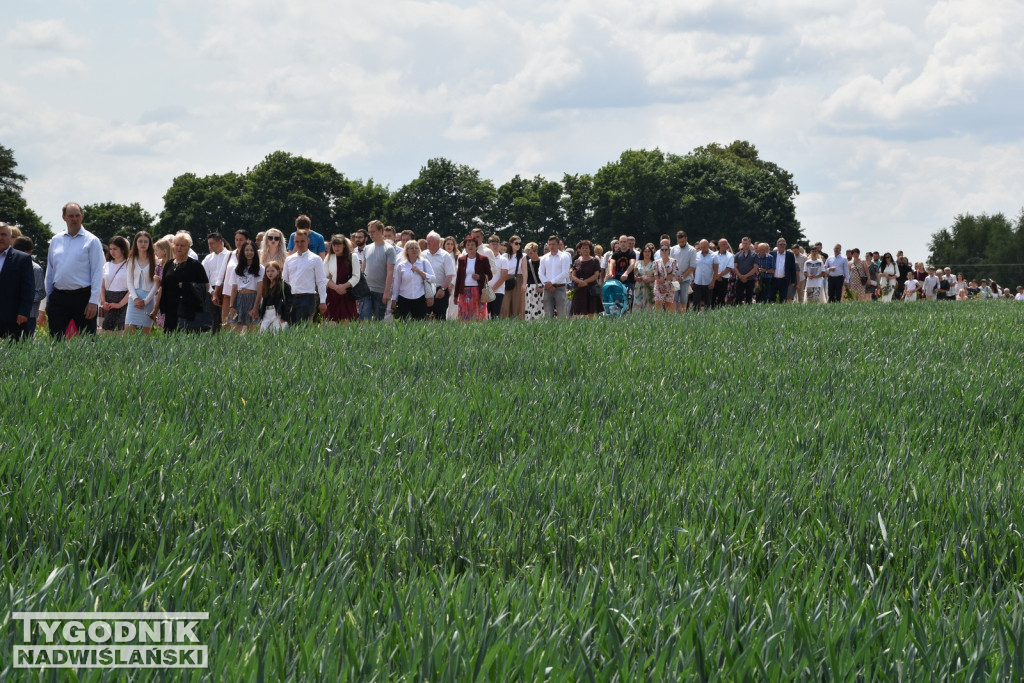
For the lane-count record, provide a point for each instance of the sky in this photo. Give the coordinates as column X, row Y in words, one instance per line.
column 893, row 117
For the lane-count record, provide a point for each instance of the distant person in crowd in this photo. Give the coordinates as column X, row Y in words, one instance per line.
column 390, row 236
column 586, row 274
column 17, row 287
column 451, row 245
column 273, row 248
column 25, row 245
column 183, row 286
column 622, row 266
column 304, row 273
column 74, row 276
column 745, row 270
column 143, row 284
column 814, row 279
column 838, row 269
column 414, row 278
column 273, row 299
column 513, row 304
column 443, row 265
column 959, row 286
column 242, row 284
column 533, row 288
column 726, row 268
column 379, row 269
column 342, row 268
column 215, row 264
column 643, row 289
column 358, row 239
column 114, row 287
column 666, row 278
column 500, row 275
column 317, row 244
column 783, row 273
column 474, row 271
column 554, row 275
column 888, row 277
column 797, row 291
column 164, row 254
column 858, row 275
column 911, row 289
column 705, row 272
column 219, row 297
column 259, row 240
column 765, row 271
column 685, row 257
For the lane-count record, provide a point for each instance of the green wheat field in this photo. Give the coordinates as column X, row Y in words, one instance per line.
column 814, row 492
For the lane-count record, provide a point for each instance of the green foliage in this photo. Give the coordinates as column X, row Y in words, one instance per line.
column 213, row 203
column 765, row 493
column 283, row 186
column 363, row 203
column 108, row 219
column 983, row 246
column 14, row 210
column 529, row 208
column 447, row 197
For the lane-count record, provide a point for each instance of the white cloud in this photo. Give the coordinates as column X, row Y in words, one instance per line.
column 48, row 34
column 57, row 67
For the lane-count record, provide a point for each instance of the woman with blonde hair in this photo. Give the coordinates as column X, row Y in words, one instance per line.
column 273, row 247
column 414, row 277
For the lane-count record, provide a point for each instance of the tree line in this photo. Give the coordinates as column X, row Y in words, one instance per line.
column 714, row 190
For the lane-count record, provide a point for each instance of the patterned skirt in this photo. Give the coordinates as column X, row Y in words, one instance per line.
column 534, row 303
column 471, row 307
column 114, row 318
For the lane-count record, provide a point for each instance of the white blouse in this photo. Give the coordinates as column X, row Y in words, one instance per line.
column 138, row 281
column 246, row 281
column 410, row 285
column 115, row 276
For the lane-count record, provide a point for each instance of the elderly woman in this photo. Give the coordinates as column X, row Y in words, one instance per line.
column 585, row 274
column 183, row 284
column 414, row 277
column 473, row 272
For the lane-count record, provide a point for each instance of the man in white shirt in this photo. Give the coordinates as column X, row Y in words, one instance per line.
column 74, row 273
column 215, row 265
column 838, row 269
column 304, row 273
column 554, row 276
column 726, row 266
column 685, row 256
column 444, row 274
column 1020, row 293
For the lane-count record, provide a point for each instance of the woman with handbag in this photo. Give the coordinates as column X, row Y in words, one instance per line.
column 533, row 288
column 413, row 281
column 471, row 278
column 513, row 305
column 183, row 280
column 114, row 286
column 858, row 276
column 342, row 268
column 585, row 273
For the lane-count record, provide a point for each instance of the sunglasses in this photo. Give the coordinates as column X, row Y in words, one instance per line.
column 517, row 242
column 272, row 238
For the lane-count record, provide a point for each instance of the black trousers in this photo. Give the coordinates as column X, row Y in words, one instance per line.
column 65, row 305
column 835, row 288
column 412, row 308
column 13, row 330
column 440, row 307
column 778, row 290
column 303, row 308
column 745, row 291
column 720, row 292
column 494, row 308
column 701, row 297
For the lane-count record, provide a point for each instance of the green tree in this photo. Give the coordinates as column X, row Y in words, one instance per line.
column 447, row 197
column 577, row 206
column 363, row 203
column 109, row 219
column 984, row 246
column 530, row 208
column 14, row 210
column 201, row 205
column 283, row 186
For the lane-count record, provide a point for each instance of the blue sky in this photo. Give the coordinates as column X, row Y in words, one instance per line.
column 893, row 117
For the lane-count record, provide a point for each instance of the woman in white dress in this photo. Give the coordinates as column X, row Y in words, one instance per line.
column 887, row 277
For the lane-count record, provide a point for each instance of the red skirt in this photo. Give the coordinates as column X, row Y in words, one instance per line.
column 340, row 306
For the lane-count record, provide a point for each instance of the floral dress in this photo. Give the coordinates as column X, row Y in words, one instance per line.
column 664, row 291
column 643, row 292
column 858, row 271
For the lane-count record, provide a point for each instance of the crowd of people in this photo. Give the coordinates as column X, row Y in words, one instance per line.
column 267, row 283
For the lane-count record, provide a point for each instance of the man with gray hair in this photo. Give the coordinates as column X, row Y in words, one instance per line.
column 444, row 274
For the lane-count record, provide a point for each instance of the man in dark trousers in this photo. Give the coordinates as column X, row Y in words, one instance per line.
column 784, row 274
column 17, row 287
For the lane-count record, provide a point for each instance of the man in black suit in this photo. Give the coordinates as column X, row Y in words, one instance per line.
column 17, row 286
column 785, row 273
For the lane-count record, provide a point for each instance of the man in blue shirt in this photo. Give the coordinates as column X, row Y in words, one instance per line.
column 74, row 273
column 317, row 244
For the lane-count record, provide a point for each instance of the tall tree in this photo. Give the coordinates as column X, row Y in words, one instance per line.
column 202, row 205
column 14, row 210
column 447, row 197
column 364, row 202
column 109, row 219
column 578, row 206
column 529, row 208
column 984, row 246
column 283, row 186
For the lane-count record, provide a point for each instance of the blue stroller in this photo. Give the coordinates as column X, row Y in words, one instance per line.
column 615, row 298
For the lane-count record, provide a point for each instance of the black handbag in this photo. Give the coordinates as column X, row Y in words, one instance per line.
column 361, row 289
column 594, row 288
